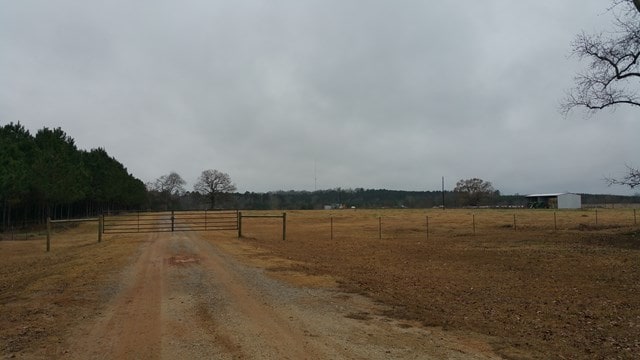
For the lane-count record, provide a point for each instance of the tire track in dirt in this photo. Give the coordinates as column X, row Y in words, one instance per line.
column 246, row 321
column 129, row 327
column 166, row 308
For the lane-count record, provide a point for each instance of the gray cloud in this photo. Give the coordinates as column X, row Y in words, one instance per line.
column 370, row 93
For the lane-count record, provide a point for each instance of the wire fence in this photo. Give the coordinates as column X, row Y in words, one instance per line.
column 399, row 224
column 23, row 231
column 402, row 223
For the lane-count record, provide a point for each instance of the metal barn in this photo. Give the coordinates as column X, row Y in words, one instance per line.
column 554, row 201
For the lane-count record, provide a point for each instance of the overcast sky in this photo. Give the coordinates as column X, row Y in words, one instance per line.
column 296, row 94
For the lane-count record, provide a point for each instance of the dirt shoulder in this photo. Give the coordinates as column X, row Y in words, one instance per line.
column 42, row 295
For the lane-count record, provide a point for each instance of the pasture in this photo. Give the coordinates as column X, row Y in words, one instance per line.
column 557, row 284
column 564, row 285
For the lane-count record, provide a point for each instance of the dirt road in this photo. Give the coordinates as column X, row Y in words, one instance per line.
column 187, row 297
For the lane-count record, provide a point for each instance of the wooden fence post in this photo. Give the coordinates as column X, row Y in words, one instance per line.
column 100, row 226
column 239, row 224
column 284, row 226
column 427, row 228
column 474, row 223
column 331, row 227
column 48, row 234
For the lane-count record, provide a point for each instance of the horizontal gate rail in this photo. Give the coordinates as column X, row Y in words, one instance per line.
column 99, row 220
column 168, row 221
column 73, row 220
column 137, row 222
column 283, row 217
column 211, row 220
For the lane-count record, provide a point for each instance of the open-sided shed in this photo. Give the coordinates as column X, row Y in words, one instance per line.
column 555, row 201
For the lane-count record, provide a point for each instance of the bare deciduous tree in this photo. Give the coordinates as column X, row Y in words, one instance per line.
column 169, row 187
column 612, row 77
column 171, row 183
column 213, row 184
column 474, row 190
column 632, row 179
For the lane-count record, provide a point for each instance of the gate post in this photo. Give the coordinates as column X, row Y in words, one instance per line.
column 239, row 224
column 172, row 220
column 48, row 234
column 100, row 227
column 284, row 226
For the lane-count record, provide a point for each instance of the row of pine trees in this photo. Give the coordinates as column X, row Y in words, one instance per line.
column 46, row 175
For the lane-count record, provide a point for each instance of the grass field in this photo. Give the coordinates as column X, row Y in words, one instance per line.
column 563, row 286
column 535, row 291
column 43, row 294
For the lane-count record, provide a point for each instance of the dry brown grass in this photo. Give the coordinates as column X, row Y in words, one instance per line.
column 44, row 294
column 534, row 291
column 538, row 292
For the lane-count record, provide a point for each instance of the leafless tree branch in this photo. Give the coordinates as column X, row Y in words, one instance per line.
column 631, row 179
column 613, row 74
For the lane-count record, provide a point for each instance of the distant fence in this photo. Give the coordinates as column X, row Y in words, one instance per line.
column 612, row 206
column 263, row 216
column 99, row 220
column 405, row 224
column 24, row 230
column 345, row 224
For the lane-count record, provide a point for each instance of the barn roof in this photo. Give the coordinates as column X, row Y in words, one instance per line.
column 547, row 195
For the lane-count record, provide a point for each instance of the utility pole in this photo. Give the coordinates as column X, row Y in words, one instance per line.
column 443, row 193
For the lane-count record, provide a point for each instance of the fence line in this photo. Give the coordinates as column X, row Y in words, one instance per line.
column 397, row 224
column 22, row 230
column 100, row 221
column 283, row 217
column 394, row 224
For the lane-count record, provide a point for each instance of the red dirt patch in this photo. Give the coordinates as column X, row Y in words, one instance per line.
column 183, row 260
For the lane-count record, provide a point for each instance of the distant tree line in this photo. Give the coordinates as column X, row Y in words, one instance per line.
column 376, row 198
column 368, row 199
column 599, row 199
column 214, row 190
column 46, row 175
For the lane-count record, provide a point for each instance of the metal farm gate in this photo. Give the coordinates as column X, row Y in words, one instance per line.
column 168, row 221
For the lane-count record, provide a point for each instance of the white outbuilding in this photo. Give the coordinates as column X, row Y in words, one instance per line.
column 555, row 201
